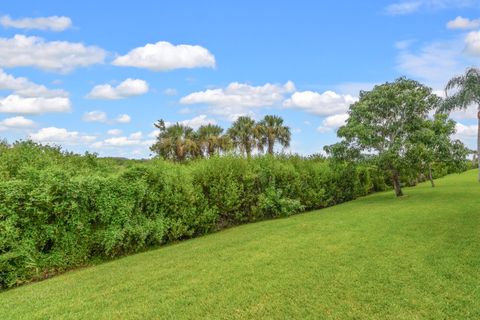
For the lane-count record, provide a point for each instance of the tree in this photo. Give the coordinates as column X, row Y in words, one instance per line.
column 211, row 139
column 271, row 130
column 176, row 142
column 434, row 145
column 466, row 91
column 384, row 121
column 244, row 134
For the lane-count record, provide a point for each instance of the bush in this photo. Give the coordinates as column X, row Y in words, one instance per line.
column 59, row 210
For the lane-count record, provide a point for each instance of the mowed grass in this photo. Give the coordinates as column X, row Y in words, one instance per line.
column 378, row 257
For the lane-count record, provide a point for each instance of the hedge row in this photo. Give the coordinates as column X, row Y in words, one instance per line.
column 58, row 211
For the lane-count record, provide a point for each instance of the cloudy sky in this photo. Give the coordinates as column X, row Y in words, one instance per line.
column 96, row 75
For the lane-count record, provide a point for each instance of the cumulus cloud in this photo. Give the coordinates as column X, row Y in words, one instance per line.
column 33, row 105
column 239, row 98
column 324, row 104
column 26, row 88
column 472, row 43
column 16, row 123
column 333, row 122
column 134, row 139
column 198, row 121
column 100, row 116
column 28, row 97
column 54, row 135
column 127, row 88
column 466, row 130
column 55, row 56
column 463, row 23
column 466, row 133
column 164, row 56
column 52, row 23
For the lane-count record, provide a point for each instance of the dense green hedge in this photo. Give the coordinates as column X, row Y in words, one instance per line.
column 59, row 210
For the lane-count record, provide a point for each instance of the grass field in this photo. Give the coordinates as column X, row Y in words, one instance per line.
column 374, row 258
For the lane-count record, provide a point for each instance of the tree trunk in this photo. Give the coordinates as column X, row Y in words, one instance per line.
column 478, row 142
column 271, row 144
column 430, row 176
column 396, row 183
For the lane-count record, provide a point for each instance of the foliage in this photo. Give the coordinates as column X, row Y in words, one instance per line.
column 244, row 134
column 60, row 210
column 271, row 130
column 373, row 258
column 466, row 91
column 384, row 122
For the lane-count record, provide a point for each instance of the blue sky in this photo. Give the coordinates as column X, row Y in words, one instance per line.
column 95, row 75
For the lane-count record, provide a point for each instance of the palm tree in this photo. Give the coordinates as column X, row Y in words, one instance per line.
column 466, row 92
column 272, row 130
column 176, row 142
column 243, row 133
column 211, row 139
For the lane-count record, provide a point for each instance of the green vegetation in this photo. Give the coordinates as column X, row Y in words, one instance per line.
column 391, row 121
column 178, row 142
column 378, row 257
column 466, row 91
column 59, row 210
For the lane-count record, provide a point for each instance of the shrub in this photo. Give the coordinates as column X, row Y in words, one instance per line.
column 59, row 210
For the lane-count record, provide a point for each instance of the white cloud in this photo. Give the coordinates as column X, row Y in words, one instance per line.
column 56, row 56
column 127, row 88
column 463, row 23
column 466, row 133
column 239, row 98
column 100, row 116
column 114, row 132
column 465, row 130
column 198, row 121
column 95, row 116
column 433, row 63
column 28, row 97
column 472, row 43
column 26, row 88
column 53, row 23
column 21, row 105
column 119, row 142
column 164, row 56
column 54, row 135
column 16, row 122
column 123, row 118
column 324, row 104
column 333, row 122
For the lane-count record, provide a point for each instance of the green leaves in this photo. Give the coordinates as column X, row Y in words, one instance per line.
column 386, row 122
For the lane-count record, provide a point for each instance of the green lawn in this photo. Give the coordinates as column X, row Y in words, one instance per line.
column 374, row 258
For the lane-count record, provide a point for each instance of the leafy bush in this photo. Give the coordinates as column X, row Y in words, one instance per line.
column 60, row 210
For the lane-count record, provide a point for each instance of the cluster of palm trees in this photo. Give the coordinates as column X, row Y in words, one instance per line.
column 179, row 142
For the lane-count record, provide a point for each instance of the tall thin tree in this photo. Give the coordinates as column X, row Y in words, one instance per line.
column 211, row 139
column 463, row 91
column 176, row 142
column 243, row 133
column 271, row 130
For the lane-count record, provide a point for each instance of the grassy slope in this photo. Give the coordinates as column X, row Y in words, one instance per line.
column 377, row 257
